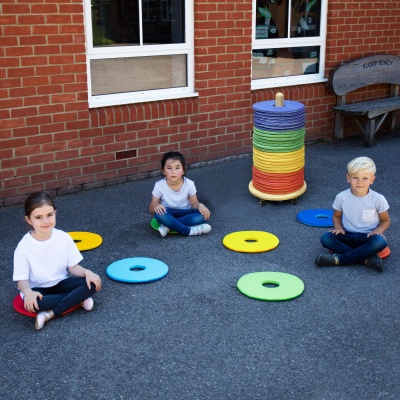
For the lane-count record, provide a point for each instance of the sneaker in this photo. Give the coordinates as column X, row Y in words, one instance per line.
column 198, row 230
column 87, row 304
column 163, row 230
column 375, row 263
column 41, row 318
column 324, row 260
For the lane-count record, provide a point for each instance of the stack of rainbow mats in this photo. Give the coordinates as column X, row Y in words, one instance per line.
column 278, row 150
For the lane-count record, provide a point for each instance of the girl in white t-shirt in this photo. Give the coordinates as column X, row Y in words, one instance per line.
column 174, row 202
column 42, row 261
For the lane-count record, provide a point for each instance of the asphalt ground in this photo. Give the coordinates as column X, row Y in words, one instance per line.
column 192, row 334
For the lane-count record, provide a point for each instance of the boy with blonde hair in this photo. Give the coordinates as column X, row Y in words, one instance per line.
column 360, row 218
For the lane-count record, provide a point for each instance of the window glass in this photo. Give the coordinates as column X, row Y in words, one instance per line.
column 272, row 63
column 116, row 23
column 163, row 21
column 289, row 40
column 272, row 17
column 305, row 18
column 121, row 75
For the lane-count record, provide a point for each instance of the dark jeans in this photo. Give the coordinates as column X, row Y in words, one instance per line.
column 353, row 247
column 180, row 220
column 66, row 294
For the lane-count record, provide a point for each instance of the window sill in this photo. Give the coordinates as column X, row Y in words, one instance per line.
column 139, row 97
column 285, row 81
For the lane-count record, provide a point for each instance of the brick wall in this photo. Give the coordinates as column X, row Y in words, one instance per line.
column 51, row 141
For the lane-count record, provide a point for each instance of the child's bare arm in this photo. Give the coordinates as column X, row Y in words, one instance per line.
column 337, row 223
column 383, row 224
column 30, row 297
column 203, row 210
column 156, row 206
column 91, row 277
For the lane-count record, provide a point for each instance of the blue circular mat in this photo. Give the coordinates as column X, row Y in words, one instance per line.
column 290, row 116
column 316, row 217
column 137, row 270
column 289, row 107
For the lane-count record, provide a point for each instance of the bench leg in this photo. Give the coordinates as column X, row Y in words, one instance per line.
column 339, row 122
column 369, row 133
column 393, row 122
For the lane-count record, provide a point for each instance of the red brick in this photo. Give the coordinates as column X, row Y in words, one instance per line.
column 49, row 89
column 44, row 8
column 67, row 154
column 16, row 182
column 57, row 184
column 28, row 170
column 63, row 117
column 65, row 136
column 49, row 70
column 36, row 100
column 68, row 173
column 38, row 120
column 41, row 178
column 40, row 158
column 52, row 128
column 54, row 166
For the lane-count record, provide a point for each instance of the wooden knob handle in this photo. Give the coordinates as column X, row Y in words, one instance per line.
column 279, row 100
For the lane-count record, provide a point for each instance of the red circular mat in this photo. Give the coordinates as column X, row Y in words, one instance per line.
column 384, row 253
column 18, row 305
column 275, row 183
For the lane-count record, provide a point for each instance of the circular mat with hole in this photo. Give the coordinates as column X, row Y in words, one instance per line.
column 18, row 305
column 316, row 217
column 250, row 241
column 137, row 270
column 282, row 286
column 384, row 253
column 86, row 240
column 155, row 225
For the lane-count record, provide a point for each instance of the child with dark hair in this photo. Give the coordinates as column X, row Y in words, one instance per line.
column 174, row 202
column 42, row 261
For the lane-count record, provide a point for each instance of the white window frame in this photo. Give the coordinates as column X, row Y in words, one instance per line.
column 108, row 52
column 293, row 42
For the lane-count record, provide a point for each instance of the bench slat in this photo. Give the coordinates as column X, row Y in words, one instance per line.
column 371, row 109
column 366, row 71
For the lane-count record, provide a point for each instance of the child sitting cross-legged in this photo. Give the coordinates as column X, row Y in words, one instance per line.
column 360, row 218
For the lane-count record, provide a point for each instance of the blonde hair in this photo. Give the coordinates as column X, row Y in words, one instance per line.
column 361, row 164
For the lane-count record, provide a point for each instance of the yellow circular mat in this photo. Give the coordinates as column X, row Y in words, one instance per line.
column 250, row 241
column 86, row 240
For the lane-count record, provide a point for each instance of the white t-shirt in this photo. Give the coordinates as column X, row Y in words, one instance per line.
column 172, row 199
column 360, row 214
column 44, row 263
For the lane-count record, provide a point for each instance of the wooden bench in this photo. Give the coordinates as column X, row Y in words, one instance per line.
column 357, row 74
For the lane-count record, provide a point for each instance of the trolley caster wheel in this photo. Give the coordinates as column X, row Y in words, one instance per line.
column 262, row 203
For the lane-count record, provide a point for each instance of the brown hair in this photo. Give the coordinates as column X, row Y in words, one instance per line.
column 36, row 200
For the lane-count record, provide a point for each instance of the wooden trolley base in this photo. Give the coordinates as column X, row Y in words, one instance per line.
column 276, row 197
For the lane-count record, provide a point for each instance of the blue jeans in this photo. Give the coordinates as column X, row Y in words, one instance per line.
column 353, row 247
column 66, row 294
column 180, row 220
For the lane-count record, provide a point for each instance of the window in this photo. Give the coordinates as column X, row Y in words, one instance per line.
column 139, row 50
column 288, row 42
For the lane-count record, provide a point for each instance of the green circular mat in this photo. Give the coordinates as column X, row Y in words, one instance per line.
column 155, row 224
column 288, row 286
